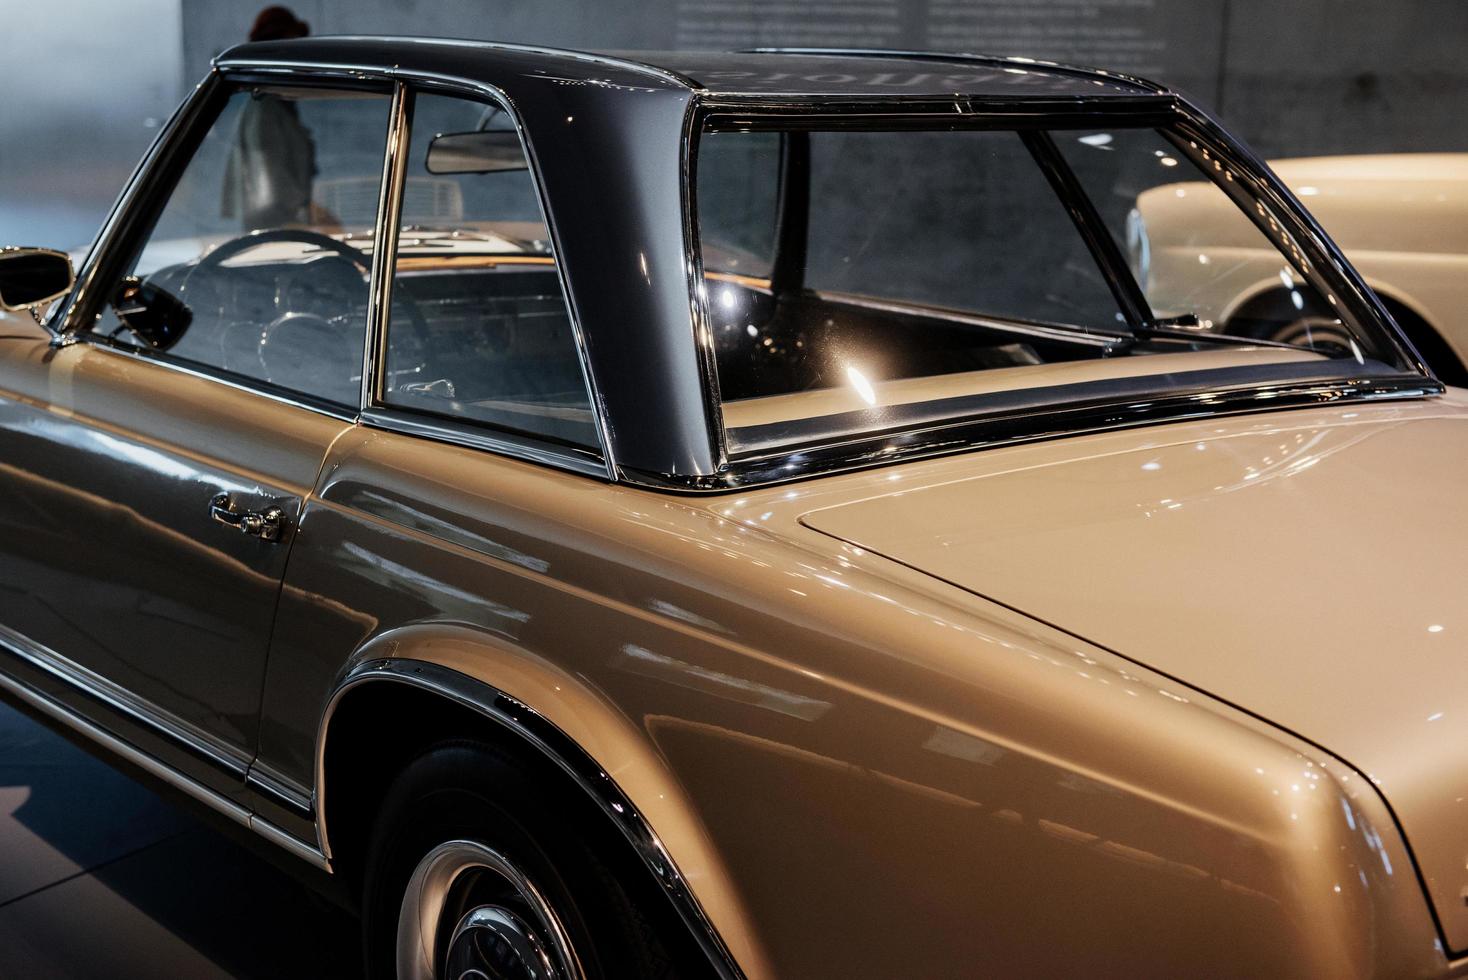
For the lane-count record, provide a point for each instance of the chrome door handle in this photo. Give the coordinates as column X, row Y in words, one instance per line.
column 265, row 524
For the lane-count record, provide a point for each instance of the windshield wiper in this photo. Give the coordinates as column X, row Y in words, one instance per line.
column 1188, row 328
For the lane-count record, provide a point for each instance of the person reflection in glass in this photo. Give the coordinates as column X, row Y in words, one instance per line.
column 268, row 178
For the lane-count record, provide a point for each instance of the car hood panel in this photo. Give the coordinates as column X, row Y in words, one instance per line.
column 1313, row 575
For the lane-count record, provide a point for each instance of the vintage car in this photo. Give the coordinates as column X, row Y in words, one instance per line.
column 744, row 515
column 1399, row 218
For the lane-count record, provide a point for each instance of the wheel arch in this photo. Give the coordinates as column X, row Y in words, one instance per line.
column 527, row 704
column 1428, row 341
column 1441, row 356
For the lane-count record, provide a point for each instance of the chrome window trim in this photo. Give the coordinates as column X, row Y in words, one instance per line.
column 978, row 433
column 1157, row 107
column 556, row 747
column 385, row 243
column 1081, row 336
column 371, row 407
column 470, row 435
column 1328, row 262
column 698, row 295
column 218, row 375
column 52, row 663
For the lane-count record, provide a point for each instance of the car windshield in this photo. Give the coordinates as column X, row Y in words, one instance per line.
column 873, row 280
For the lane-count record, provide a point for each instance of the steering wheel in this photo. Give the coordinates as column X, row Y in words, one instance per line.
column 283, row 356
column 305, row 236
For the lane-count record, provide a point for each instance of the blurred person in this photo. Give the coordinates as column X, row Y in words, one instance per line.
column 278, row 24
column 267, row 182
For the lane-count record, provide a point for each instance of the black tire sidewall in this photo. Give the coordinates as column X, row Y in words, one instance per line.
column 469, row 791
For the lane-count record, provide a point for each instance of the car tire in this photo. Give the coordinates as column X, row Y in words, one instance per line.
column 476, row 864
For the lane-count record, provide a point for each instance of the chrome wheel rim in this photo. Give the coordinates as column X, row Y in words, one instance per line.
column 469, row 913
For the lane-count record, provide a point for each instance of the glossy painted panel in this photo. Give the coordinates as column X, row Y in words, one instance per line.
column 1279, row 570
column 861, row 770
column 107, row 467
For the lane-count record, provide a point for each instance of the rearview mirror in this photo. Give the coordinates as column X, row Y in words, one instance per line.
column 475, row 153
column 155, row 316
column 33, row 277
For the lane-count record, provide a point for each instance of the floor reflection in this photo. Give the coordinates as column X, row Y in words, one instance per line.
column 99, row 877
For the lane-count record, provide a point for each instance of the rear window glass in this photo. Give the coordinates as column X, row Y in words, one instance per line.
column 864, row 281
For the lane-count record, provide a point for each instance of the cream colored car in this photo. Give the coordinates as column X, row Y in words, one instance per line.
column 1401, row 218
column 745, row 516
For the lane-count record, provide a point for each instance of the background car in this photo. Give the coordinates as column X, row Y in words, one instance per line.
column 1398, row 216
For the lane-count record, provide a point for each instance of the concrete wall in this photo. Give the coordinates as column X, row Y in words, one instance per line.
column 84, row 86
column 87, row 82
column 1292, row 76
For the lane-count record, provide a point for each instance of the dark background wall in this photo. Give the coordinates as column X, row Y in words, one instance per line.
column 1293, row 77
column 84, row 86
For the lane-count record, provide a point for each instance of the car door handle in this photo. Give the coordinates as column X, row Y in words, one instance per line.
column 264, row 524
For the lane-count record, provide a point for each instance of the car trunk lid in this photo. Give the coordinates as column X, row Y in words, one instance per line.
column 1312, row 575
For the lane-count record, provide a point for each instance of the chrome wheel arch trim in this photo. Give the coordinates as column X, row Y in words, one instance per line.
column 534, row 731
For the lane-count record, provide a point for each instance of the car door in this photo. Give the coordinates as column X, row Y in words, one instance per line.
column 153, row 471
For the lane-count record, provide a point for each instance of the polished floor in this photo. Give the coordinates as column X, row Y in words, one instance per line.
column 101, row 878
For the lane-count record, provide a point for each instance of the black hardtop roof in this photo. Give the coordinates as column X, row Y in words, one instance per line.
column 766, row 72
column 819, row 71
column 606, row 135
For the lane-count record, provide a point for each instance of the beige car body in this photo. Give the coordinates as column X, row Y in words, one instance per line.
column 798, row 710
column 1175, row 699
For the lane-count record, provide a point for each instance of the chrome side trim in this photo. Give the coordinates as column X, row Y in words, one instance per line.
column 284, row 792
column 288, row 842
column 556, row 747
column 137, row 757
column 196, row 791
column 98, row 688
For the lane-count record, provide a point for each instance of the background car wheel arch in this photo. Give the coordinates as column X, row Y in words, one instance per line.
column 1429, row 341
column 1441, row 356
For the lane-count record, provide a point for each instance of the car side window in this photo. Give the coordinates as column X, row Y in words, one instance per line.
column 258, row 262
column 480, row 330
